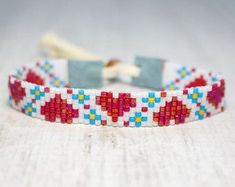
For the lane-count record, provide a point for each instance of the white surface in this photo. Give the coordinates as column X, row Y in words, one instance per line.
column 198, row 33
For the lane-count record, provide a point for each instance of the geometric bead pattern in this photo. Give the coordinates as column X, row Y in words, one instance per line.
column 92, row 116
column 138, row 118
column 17, row 92
column 184, row 72
column 201, row 112
column 115, row 106
column 81, row 97
column 29, row 109
column 215, row 96
column 174, row 112
column 46, row 66
column 31, row 93
column 151, row 100
column 195, row 96
column 37, row 93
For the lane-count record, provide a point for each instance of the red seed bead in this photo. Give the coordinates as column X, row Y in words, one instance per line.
column 133, row 102
column 103, row 122
column 114, row 119
column 127, row 95
column 109, row 94
column 177, row 121
column 155, row 119
column 163, row 94
column 174, row 98
column 69, row 91
column 126, row 109
column 161, row 123
column 63, row 105
column 47, row 117
column 86, row 106
column 126, row 123
column 52, row 119
column 103, row 94
column 144, row 109
column 69, row 121
column 185, row 92
column 47, row 89
column 42, row 109
column 98, row 100
column 167, row 122
column 120, row 95
column 69, row 115
column 62, row 120
column 75, row 113
column 179, row 102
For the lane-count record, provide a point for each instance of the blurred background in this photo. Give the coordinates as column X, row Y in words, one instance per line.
column 198, row 33
column 185, row 31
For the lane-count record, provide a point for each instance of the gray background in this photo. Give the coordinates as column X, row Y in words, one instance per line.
column 199, row 33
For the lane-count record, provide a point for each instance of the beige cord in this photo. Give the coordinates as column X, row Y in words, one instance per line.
column 60, row 48
column 57, row 47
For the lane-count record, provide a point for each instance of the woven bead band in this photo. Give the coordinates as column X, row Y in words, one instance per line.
column 42, row 91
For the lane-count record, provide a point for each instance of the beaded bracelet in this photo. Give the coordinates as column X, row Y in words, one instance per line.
column 43, row 91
